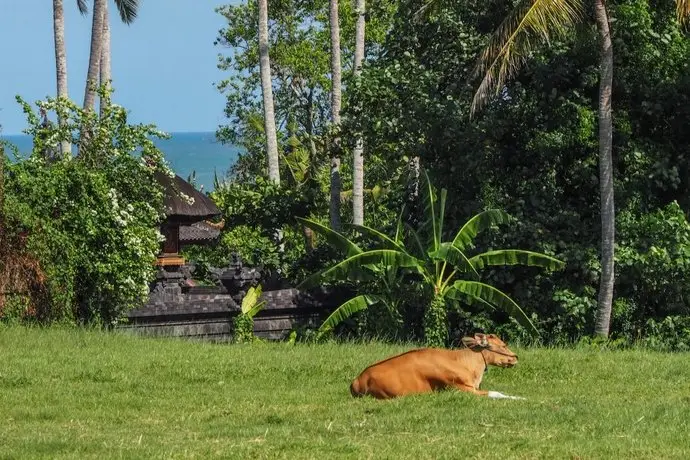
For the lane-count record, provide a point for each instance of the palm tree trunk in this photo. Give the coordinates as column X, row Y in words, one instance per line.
column 60, row 63
column 105, row 75
column 267, row 91
column 603, row 316
column 95, row 54
column 357, row 154
column 335, row 114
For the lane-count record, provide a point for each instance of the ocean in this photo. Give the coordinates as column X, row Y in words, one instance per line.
column 185, row 152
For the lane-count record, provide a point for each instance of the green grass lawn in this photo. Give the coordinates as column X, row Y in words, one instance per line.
column 80, row 394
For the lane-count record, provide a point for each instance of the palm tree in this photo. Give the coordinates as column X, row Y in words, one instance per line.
column 535, row 20
column 99, row 30
column 444, row 267
column 357, row 154
column 607, row 211
column 267, row 92
column 335, row 113
column 105, row 70
column 61, row 58
column 95, row 54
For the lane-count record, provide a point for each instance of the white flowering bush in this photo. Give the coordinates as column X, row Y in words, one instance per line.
column 93, row 216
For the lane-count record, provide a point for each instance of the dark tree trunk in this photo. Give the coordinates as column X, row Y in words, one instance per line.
column 605, row 301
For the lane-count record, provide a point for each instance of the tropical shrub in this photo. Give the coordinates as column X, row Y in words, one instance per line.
column 243, row 323
column 449, row 274
column 91, row 221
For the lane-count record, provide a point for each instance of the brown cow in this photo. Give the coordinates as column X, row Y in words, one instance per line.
column 430, row 369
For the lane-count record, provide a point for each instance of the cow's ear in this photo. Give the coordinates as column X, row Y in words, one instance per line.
column 470, row 342
column 482, row 340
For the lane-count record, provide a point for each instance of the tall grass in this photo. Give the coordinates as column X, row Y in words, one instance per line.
column 67, row 393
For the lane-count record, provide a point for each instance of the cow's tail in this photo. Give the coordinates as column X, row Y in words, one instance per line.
column 356, row 388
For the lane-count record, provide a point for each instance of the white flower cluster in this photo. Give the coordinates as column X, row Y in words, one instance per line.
column 188, row 199
column 159, row 236
column 122, row 216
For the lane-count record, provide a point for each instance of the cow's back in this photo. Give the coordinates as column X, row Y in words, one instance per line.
column 406, row 373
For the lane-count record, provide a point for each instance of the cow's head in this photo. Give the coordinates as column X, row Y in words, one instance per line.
column 494, row 350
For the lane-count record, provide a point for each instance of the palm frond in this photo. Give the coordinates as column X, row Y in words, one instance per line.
column 530, row 22
column 348, row 309
column 516, row 257
column 128, row 10
column 334, row 238
column 477, row 224
column 490, row 294
column 83, row 6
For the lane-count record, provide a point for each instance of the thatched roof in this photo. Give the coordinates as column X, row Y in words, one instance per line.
column 198, row 232
column 182, row 202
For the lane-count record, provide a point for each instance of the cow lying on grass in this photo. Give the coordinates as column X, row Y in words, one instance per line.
column 431, row 369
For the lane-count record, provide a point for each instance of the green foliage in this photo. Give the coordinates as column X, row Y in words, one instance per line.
column 300, row 66
column 442, row 267
column 92, row 219
column 436, row 323
column 243, row 323
column 252, row 213
column 653, row 267
column 16, row 309
column 532, row 151
column 670, row 334
column 243, row 329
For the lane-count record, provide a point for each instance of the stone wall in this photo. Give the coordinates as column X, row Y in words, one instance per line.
column 207, row 313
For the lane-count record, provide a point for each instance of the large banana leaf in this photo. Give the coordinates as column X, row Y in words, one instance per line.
column 455, row 257
column 441, row 214
column 334, row 238
column 354, row 267
column 490, row 294
column 430, row 226
column 454, row 294
column 516, row 257
column 250, row 302
column 367, row 272
column 477, row 224
column 387, row 241
column 348, row 309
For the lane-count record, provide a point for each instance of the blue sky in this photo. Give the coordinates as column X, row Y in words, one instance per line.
column 163, row 65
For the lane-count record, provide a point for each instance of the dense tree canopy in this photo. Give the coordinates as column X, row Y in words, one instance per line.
column 532, row 151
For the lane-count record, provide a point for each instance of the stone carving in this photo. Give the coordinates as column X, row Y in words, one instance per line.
column 237, row 278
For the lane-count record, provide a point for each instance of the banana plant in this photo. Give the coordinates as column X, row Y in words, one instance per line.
column 243, row 324
column 448, row 268
column 250, row 302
